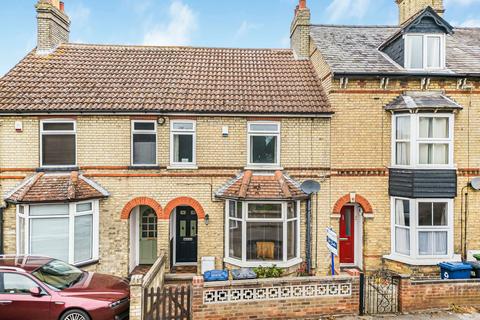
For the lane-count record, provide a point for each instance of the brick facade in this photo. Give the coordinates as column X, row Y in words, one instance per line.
column 303, row 156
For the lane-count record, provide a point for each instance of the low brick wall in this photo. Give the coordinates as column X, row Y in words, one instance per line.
column 284, row 298
column 422, row 295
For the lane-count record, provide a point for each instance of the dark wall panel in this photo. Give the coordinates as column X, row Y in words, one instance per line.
column 411, row 183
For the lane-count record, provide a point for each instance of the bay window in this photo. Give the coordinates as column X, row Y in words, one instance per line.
column 422, row 228
column 425, row 51
column 263, row 144
column 422, row 140
column 144, row 143
column 262, row 233
column 58, row 143
column 182, row 143
column 66, row 231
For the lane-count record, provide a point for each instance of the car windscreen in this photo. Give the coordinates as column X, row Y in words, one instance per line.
column 58, row 274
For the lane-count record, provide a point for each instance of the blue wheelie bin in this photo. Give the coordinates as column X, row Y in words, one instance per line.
column 455, row 270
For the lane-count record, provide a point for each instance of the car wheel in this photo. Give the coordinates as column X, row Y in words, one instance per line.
column 75, row 315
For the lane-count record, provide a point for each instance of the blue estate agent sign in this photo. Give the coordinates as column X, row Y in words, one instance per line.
column 332, row 241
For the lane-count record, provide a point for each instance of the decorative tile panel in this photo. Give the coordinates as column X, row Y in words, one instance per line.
column 236, row 295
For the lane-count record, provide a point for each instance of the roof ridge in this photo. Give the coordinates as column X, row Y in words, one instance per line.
column 140, row 46
column 354, row 26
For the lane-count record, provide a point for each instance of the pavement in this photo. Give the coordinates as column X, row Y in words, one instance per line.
column 445, row 315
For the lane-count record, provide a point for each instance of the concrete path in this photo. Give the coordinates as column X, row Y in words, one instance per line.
column 429, row 316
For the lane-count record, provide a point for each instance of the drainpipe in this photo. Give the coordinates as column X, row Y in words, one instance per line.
column 308, row 237
column 1, row 230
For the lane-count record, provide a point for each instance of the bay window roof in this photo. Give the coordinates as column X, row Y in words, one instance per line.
column 56, row 187
column 249, row 185
column 423, row 100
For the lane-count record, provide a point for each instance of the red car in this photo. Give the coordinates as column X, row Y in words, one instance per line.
column 40, row 288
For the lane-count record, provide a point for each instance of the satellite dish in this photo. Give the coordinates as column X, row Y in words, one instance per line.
column 311, row 186
column 475, row 183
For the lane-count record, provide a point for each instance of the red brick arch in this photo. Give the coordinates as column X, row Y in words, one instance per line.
column 363, row 202
column 141, row 201
column 184, row 201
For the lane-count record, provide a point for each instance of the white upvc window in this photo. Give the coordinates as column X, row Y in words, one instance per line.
column 144, row 143
column 58, row 143
column 422, row 229
column 422, row 140
column 262, row 233
column 263, row 144
column 424, row 51
column 183, row 144
column 65, row 231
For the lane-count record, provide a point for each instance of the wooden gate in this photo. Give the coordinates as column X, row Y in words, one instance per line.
column 168, row 303
column 379, row 293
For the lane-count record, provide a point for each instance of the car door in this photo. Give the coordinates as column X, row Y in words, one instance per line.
column 16, row 302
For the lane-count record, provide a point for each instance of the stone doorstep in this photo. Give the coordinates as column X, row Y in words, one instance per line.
column 179, row 276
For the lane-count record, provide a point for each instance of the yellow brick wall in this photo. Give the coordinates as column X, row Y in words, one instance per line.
column 361, row 140
column 105, row 141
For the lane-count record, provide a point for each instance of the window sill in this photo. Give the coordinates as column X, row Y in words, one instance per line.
column 263, row 167
column 186, row 167
column 57, row 168
column 140, row 167
column 253, row 264
column 87, row 263
column 422, row 261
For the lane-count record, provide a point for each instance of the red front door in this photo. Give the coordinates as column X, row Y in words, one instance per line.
column 347, row 236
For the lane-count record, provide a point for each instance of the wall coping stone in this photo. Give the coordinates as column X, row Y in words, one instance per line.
column 277, row 281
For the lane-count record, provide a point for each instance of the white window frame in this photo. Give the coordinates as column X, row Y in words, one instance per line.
column 415, row 141
column 193, row 133
column 252, row 133
column 285, row 263
column 72, row 213
column 425, row 53
column 415, row 258
column 133, row 132
column 52, row 133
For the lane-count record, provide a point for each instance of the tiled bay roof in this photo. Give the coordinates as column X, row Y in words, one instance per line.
column 56, row 187
column 108, row 78
column 422, row 100
column 261, row 186
column 354, row 49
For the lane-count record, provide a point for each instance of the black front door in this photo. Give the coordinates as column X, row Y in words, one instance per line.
column 186, row 239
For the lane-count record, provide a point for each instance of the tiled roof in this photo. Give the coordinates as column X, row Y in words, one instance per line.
column 422, row 100
column 250, row 185
column 108, row 78
column 56, row 187
column 354, row 49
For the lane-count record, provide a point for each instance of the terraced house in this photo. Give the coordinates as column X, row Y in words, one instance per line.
column 112, row 154
column 405, row 135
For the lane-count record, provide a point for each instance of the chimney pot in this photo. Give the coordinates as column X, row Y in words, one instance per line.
column 62, row 6
column 302, row 4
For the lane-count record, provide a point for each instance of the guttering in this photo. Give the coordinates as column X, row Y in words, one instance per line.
column 169, row 114
column 403, row 75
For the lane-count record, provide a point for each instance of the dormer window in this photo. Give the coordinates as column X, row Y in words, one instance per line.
column 425, row 51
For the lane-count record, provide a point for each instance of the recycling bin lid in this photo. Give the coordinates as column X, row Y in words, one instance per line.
column 455, row 266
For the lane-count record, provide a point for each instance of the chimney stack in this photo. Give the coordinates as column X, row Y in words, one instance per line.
column 408, row 8
column 53, row 25
column 300, row 31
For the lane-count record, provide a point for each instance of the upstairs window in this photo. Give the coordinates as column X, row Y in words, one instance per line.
column 144, row 143
column 423, row 140
column 58, row 143
column 183, row 143
column 263, row 144
column 424, row 52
